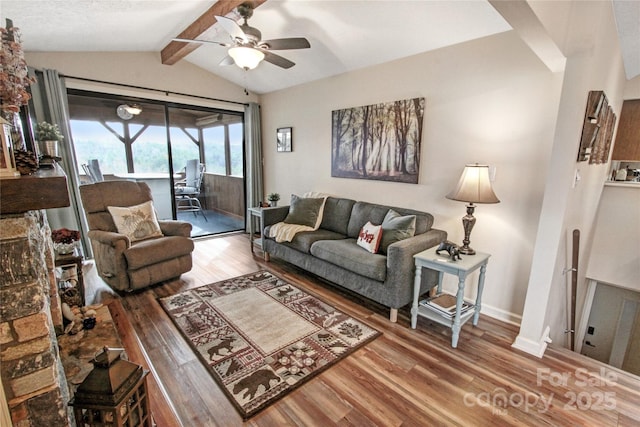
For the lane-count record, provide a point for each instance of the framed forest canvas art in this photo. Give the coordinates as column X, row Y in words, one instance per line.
column 380, row 141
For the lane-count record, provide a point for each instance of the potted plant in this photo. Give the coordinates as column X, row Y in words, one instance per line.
column 273, row 199
column 48, row 132
column 49, row 135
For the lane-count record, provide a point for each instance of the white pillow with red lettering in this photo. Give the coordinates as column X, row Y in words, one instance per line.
column 370, row 237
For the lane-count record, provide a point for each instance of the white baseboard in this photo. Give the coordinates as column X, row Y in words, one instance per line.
column 502, row 315
column 489, row 310
column 536, row 348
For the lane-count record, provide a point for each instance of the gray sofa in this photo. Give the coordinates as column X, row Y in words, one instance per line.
column 331, row 251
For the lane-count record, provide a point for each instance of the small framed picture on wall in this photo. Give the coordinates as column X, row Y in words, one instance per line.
column 284, row 139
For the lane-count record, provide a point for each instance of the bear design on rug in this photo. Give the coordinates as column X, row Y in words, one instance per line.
column 226, row 343
column 252, row 382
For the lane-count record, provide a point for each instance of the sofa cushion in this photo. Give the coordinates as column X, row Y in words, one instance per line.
column 347, row 254
column 424, row 221
column 396, row 227
column 303, row 240
column 370, row 237
column 317, row 195
column 151, row 251
column 336, row 215
column 363, row 212
column 304, row 211
column 137, row 222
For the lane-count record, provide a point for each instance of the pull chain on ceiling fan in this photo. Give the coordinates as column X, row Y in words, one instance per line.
column 247, row 49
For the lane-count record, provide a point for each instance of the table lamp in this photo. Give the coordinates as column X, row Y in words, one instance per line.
column 474, row 187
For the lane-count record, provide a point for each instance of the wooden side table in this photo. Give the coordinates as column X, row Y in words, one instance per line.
column 69, row 269
column 461, row 268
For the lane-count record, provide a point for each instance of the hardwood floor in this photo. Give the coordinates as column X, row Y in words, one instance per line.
column 403, row 378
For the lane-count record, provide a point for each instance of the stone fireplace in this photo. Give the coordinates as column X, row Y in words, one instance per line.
column 32, row 375
column 33, row 381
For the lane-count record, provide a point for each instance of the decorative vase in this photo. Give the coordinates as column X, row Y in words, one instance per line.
column 273, row 203
column 49, row 148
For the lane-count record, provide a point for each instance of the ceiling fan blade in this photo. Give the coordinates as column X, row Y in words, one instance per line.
column 202, row 41
column 227, row 60
column 231, row 27
column 284, row 44
column 277, row 60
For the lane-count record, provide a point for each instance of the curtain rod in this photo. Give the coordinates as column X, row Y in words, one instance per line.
column 167, row 92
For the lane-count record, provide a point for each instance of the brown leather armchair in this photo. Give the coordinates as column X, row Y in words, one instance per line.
column 128, row 265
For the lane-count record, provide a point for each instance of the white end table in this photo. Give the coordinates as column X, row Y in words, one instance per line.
column 462, row 268
column 257, row 213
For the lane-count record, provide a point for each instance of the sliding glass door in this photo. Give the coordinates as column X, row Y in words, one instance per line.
column 210, row 140
column 191, row 157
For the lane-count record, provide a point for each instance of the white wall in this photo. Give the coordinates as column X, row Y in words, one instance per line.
column 489, row 100
column 615, row 258
column 632, row 89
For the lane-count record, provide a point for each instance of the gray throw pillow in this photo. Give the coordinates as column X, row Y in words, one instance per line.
column 304, row 211
column 396, row 227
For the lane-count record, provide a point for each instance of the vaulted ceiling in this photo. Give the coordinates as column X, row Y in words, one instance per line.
column 344, row 35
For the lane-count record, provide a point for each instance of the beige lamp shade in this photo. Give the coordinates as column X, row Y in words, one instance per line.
column 474, row 186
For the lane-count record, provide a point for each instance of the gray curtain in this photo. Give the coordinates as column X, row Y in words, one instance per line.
column 253, row 151
column 53, row 104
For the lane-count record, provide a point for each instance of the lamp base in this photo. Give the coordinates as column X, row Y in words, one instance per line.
column 466, row 250
column 468, row 221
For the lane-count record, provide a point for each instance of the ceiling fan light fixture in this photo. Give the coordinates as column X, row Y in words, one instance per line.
column 246, row 57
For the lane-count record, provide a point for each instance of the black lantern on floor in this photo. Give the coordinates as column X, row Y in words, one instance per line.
column 114, row 394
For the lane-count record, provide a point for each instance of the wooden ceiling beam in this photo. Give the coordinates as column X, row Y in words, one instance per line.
column 175, row 51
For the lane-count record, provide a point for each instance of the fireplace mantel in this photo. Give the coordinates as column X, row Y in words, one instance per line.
column 45, row 189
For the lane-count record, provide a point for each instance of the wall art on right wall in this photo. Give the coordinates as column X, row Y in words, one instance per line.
column 597, row 129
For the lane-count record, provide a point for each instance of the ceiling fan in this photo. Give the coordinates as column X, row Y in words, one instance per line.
column 247, row 49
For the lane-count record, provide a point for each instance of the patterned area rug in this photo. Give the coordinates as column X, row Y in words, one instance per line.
column 261, row 337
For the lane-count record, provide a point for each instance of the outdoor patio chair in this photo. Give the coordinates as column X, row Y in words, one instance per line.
column 187, row 190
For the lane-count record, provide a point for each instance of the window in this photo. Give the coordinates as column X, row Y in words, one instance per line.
column 93, row 141
column 183, row 147
column 236, row 148
column 224, row 149
column 214, row 150
column 149, row 150
column 140, row 143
